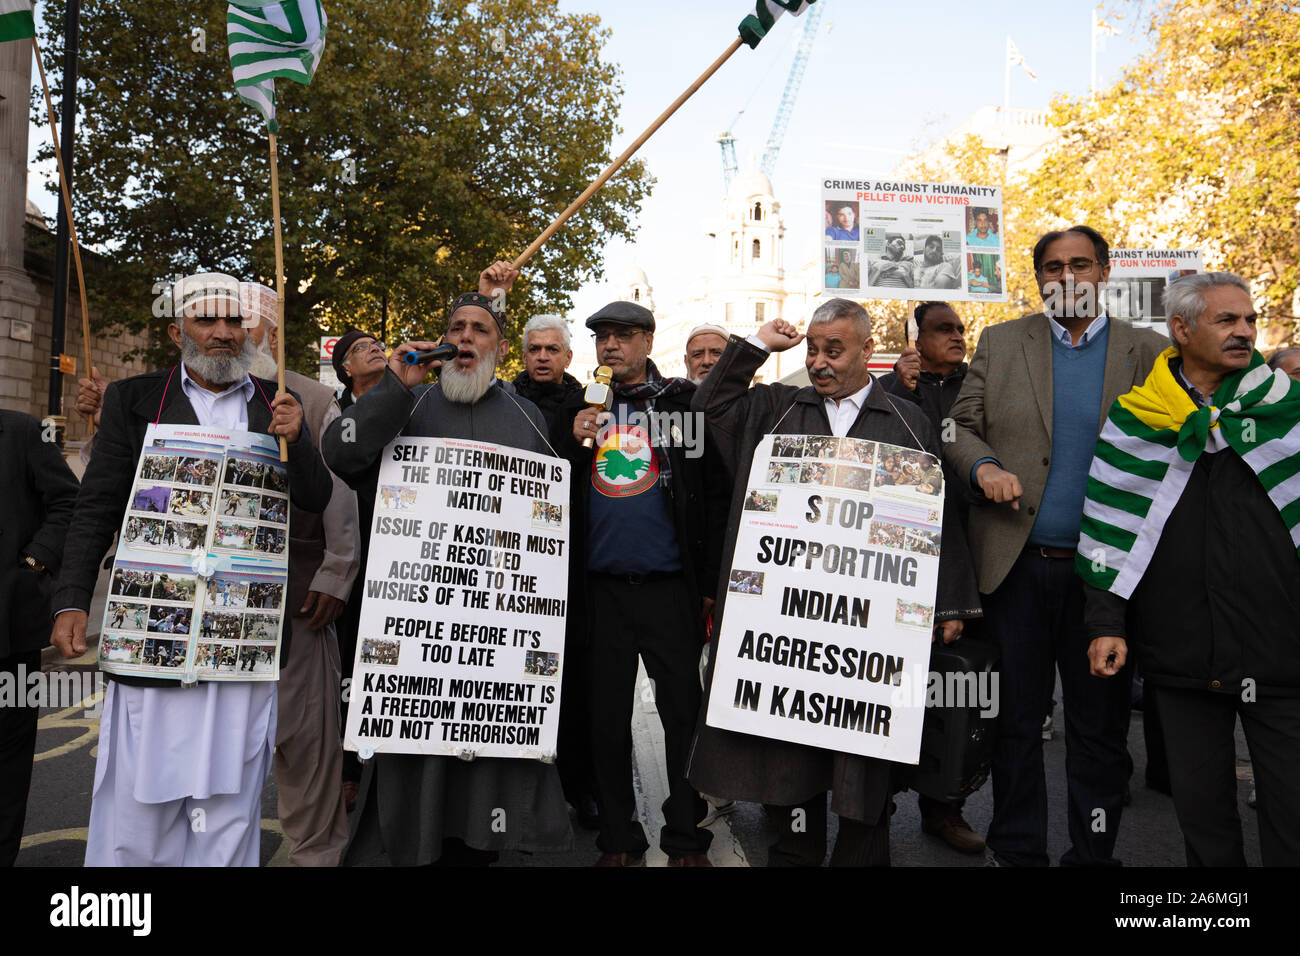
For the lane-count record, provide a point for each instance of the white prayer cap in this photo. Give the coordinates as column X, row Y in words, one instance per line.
column 208, row 293
column 708, row 327
column 258, row 303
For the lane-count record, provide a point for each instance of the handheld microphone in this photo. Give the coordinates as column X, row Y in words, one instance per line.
column 599, row 395
column 444, row 351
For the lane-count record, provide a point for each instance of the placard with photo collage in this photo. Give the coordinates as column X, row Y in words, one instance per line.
column 197, row 589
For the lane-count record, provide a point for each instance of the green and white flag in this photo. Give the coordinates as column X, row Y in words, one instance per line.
column 16, row 20
column 766, row 12
column 269, row 39
column 1149, row 445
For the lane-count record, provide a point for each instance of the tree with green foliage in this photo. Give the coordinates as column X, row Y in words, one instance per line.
column 437, row 137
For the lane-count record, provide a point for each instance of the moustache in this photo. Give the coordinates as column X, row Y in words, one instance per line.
column 822, row 375
column 1236, row 343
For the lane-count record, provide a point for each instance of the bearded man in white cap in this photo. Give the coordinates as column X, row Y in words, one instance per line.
column 324, row 556
column 178, row 780
column 704, row 346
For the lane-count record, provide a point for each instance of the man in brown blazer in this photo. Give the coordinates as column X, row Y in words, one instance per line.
column 1027, row 420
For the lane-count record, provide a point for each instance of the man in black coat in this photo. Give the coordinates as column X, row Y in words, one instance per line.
column 1212, row 617
column 930, row 375
column 545, row 380
column 646, row 563
column 143, row 809
column 931, row 372
column 40, row 492
column 843, row 400
column 546, row 383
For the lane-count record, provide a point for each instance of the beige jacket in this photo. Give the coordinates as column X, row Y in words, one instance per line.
column 324, row 549
column 1004, row 411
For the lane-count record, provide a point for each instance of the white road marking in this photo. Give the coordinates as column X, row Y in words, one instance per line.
column 650, row 780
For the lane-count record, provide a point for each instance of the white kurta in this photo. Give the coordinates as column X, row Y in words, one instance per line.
column 179, row 776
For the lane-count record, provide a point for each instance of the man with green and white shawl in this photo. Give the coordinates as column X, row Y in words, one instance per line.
column 1189, row 550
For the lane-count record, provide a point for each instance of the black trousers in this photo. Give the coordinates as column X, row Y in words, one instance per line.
column 1199, row 728
column 656, row 621
column 17, row 750
column 1036, row 618
column 573, row 737
column 801, row 837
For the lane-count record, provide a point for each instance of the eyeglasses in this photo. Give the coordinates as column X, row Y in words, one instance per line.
column 363, row 347
column 1078, row 266
column 623, row 335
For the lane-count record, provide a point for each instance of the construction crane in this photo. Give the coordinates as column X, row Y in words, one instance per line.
column 772, row 148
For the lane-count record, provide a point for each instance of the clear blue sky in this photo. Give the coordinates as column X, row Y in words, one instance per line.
column 884, row 79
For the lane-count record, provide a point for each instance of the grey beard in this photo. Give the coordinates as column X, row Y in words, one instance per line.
column 264, row 363
column 210, row 368
column 467, row 387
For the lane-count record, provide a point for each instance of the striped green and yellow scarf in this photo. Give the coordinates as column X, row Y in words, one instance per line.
column 1149, row 445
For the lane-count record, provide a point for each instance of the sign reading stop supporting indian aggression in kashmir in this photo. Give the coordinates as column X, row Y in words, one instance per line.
column 460, row 645
column 830, row 597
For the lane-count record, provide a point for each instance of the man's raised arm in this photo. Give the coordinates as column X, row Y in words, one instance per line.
column 726, row 399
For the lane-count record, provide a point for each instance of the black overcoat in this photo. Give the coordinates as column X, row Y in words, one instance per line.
column 743, row 766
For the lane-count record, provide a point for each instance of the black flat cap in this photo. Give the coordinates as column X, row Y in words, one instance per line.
column 624, row 313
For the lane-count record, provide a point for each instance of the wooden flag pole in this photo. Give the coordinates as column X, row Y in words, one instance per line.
column 67, row 204
column 279, row 288
column 627, row 154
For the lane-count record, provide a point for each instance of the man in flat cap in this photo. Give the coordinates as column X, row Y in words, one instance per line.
column 640, row 526
column 171, row 756
column 426, row 809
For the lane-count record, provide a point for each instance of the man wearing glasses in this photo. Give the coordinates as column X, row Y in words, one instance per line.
column 359, row 361
column 640, row 533
column 1026, row 452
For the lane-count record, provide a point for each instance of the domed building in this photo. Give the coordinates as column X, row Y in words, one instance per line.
column 747, row 285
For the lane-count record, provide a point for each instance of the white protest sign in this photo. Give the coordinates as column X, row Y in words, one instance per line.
column 1135, row 289
column 198, row 582
column 461, row 639
column 830, row 597
column 885, row 239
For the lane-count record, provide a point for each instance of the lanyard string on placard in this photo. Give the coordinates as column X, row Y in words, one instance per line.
column 168, row 384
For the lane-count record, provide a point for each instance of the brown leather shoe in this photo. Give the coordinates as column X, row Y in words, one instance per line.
column 949, row 825
column 620, row 859
column 690, row 859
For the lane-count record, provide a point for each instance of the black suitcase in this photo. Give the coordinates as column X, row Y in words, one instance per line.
column 958, row 734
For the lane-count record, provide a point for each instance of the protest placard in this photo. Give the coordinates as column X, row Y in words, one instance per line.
column 1135, row 289
column 831, row 595
column 884, row 239
column 198, row 581
column 461, row 639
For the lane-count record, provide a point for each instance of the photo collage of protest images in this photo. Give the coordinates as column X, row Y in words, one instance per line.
column 899, row 240
column 198, row 582
column 905, row 487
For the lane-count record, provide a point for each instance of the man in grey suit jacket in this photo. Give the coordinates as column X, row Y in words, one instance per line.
column 1027, row 418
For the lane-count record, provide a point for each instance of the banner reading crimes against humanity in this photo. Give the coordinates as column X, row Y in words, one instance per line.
column 1138, row 278
column 462, row 624
column 830, row 596
column 883, row 239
